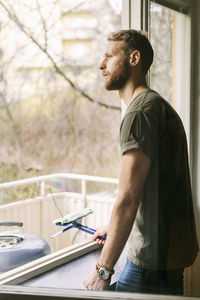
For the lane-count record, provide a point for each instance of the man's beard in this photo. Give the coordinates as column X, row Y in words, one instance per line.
column 119, row 77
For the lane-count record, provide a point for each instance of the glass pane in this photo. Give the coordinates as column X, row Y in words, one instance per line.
column 163, row 35
column 52, row 111
column 55, row 115
column 171, row 42
column 170, row 73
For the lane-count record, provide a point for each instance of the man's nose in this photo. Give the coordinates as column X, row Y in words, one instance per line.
column 102, row 65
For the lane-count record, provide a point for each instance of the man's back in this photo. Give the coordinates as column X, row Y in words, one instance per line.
column 163, row 235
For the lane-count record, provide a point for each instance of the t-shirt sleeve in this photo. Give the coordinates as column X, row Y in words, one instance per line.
column 136, row 132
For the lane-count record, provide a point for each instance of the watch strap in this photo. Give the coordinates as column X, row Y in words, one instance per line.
column 98, row 267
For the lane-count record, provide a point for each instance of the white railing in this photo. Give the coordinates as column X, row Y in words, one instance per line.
column 37, row 213
column 43, row 179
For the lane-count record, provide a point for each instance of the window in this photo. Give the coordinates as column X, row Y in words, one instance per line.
column 169, row 33
column 168, row 25
column 53, row 92
column 76, row 37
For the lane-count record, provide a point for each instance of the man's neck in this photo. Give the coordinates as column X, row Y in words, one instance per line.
column 131, row 90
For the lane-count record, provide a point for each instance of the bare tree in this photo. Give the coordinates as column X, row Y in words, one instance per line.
column 60, row 121
column 14, row 17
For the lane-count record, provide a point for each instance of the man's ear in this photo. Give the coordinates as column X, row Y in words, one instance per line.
column 135, row 58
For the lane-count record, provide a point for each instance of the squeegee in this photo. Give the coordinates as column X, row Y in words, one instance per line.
column 74, row 220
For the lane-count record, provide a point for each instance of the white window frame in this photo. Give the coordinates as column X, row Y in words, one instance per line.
column 133, row 16
column 182, row 76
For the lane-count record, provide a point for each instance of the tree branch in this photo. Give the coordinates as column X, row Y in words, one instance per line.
column 43, row 25
column 12, row 16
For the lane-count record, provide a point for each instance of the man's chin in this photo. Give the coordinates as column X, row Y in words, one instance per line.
column 110, row 87
column 114, row 85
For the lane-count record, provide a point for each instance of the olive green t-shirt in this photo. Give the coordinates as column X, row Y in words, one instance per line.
column 163, row 235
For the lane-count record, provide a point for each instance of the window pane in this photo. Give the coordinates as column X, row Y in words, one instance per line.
column 55, row 115
column 163, row 39
column 170, row 76
column 170, row 73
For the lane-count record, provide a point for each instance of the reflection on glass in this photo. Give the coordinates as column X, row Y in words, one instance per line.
column 162, row 35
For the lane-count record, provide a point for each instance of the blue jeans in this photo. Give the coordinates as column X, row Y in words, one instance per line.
column 139, row 280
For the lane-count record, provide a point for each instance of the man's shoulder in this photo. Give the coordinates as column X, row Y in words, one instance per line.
column 146, row 101
column 152, row 103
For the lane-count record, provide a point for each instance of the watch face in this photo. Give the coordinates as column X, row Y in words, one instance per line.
column 103, row 274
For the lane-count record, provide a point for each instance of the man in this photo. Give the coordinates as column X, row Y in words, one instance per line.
column 153, row 212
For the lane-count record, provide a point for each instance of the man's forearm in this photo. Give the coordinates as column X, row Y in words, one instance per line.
column 120, row 226
column 134, row 170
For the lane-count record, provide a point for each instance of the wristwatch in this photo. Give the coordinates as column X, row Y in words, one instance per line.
column 104, row 273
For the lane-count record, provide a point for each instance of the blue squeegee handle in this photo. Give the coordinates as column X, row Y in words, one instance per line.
column 81, row 227
column 86, row 229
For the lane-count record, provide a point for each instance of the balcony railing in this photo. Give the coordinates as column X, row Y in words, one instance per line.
column 38, row 212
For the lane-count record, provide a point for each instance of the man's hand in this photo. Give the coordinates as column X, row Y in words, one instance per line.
column 93, row 282
column 101, row 231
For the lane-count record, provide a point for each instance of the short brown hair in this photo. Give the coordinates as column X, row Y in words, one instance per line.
column 135, row 40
